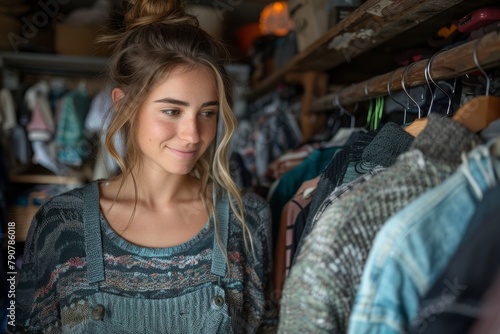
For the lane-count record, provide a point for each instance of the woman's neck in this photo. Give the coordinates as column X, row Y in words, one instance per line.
column 156, row 189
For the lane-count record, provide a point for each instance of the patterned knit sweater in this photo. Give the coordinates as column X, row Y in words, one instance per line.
column 54, row 289
column 319, row 293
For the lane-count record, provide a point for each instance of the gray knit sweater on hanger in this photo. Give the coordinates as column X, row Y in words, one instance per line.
column 319, row 293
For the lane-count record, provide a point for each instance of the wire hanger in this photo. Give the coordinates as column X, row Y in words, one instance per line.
column 428, row 78
column 419, row 124
column 344, row 111
column 389, row 82
column 478, row 113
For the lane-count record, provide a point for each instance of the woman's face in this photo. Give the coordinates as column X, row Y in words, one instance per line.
column 178, row 120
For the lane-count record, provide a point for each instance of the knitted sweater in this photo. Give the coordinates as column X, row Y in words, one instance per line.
column 54, row 289
column 319, row 293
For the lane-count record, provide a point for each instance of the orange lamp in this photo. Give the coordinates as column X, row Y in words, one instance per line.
column 275, row 19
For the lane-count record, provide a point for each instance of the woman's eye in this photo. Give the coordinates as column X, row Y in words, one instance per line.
column 170, row 112
column 209, row 113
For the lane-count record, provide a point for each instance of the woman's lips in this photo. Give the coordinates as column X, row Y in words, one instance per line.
column 183, row 153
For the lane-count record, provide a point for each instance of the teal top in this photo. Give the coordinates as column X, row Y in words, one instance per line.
column 68, row 266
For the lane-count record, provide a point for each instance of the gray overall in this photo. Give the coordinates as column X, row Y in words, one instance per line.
column 201, row 311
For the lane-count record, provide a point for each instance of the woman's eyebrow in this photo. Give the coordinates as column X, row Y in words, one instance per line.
column 210, row 103
column 173, row 101
column 184, row 103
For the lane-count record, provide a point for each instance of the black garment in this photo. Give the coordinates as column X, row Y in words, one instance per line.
column 488, row 322
column 453, row 304
column 369, row 151
column 329, row 178
column 333, row 174
column 298, row 228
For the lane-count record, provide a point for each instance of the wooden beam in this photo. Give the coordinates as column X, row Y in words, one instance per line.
column 446, row 65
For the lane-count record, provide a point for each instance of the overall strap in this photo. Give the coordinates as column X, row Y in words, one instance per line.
column 222, row 213
column 93, row 242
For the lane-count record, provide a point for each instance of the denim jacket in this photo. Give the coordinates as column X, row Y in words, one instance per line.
column 415, row 245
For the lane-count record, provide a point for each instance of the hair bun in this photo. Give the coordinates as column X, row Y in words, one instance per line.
column 145, row 12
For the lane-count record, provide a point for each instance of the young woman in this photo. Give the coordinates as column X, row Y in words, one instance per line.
column 168, row 245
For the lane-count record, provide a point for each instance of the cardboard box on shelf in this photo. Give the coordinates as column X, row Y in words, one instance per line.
column 311, row 20
column 9, row 26
column 79, row 40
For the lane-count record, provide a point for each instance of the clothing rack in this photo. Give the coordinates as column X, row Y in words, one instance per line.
column 445, row 65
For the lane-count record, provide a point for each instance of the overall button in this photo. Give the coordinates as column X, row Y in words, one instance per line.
column 217, row 302
column 98, row 312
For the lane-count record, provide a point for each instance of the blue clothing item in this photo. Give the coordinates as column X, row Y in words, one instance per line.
column 473, row 271
column 123, row 314
column 80, row 276
column 415, row 245
column 72, row 145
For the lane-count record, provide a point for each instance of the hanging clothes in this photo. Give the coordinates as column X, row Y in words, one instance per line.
column 282, row 253
column 269, row 130
column 467, row 276
column 332, row 174
column 72, row 145
column 41, row 126
column 292, row 180
column 7, row 111
column 414, row 246
column 21, row 145
column 8, row 124
column 287, row 215
column 290, row 160
column 381, row 152
column 319, row 293
column 272, row 134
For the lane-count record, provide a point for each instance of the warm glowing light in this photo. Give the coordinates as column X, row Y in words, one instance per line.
column 274, row 19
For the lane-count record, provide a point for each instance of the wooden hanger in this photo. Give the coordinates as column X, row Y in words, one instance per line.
column 478, row 113
column 416, row 127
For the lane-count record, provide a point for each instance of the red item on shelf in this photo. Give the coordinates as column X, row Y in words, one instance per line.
column 479, row 18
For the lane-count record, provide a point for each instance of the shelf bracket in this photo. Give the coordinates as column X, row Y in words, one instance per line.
column 315, row 84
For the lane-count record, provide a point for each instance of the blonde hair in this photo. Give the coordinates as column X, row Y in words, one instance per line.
column 160, row 37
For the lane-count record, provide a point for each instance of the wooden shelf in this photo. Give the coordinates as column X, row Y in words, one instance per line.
column 39, row 175
column 47, row 179
column 372, row 24
column 53, row 63
column 446, row 65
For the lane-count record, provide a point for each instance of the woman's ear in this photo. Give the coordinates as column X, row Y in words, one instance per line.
column 116, row 94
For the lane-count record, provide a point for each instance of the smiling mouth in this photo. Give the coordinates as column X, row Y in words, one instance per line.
column 183, row 154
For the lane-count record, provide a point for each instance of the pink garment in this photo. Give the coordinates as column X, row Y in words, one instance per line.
column 290, row 160
column 41, row 125
column 37, row 128
column 293, row 207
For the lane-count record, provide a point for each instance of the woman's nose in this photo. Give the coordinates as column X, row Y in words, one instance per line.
column 189, row 130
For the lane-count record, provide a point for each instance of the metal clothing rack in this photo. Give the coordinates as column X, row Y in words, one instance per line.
column 445, row 65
